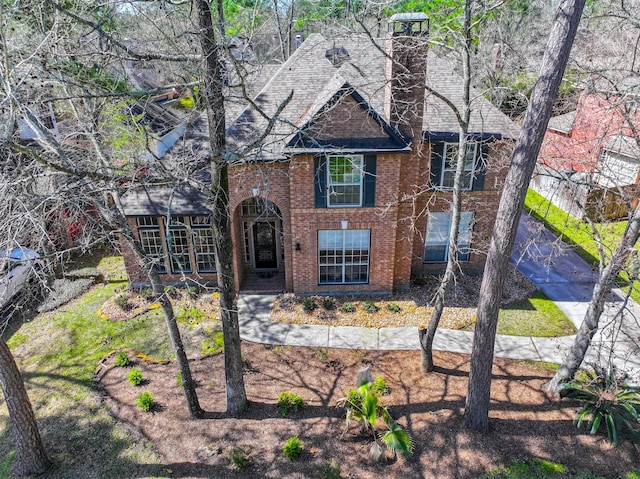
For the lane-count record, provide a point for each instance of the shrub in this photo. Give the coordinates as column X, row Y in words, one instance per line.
column 380, row 386
column 348, row 308
column 292, row 448
column 122, row 302
column 212, row 344
column 240, row 456
column 328, row 304
column 146, row 294
column 331, row 471
column 309, row 305
column 122, row 360
column 191, row 316
column 606, row 399
column 394, row 307
column 145, row 401
column 171, row 291
column 362, row 404
column 288, row 401
column 135, row 377
column 370, row 307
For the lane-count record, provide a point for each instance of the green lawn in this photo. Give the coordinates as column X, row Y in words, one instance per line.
column 537, row 468
column 580, row 234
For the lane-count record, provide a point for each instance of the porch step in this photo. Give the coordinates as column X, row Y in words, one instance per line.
column 259, row 282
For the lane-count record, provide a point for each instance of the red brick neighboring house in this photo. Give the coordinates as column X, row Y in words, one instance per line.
column 594, row 147
column 350, row 190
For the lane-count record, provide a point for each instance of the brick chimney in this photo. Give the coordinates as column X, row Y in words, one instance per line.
column 406, row 71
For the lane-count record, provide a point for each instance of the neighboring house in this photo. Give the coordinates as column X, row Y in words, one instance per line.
column 596, row 148
column 350, row 189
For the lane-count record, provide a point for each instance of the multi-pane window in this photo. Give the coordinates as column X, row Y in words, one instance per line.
column 254, row 207
column 436, row 247
column 344, row 180
column 203, row 246
column 450, row 162
column 343, row 256
column 178, row 242
column 151, row 241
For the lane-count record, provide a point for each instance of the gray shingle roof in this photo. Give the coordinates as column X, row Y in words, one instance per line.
column 563, row 123
column 310, row 78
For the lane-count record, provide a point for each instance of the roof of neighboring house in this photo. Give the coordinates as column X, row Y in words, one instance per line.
column 624, row 145
column 563, row 123
column 308, row 80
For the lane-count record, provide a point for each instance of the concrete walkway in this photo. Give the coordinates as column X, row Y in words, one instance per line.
column 560, row 273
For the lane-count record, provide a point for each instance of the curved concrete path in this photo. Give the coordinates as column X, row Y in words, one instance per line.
column 560, row 273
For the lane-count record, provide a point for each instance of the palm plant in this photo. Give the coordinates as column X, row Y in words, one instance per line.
column 363, row 405
column 606, row 398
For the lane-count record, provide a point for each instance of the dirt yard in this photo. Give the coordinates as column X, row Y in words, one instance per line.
column 525, row 421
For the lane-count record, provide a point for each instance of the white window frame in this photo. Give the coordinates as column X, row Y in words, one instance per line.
column 152, row 241
column 203, row 251
column 332, row 195
column 340, row 259
column 440, row 239
column 450, row 157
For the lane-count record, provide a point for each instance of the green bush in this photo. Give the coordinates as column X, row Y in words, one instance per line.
column 309, row 305
column 370, row 307
column 362, row 404
column 240, row 456
column 122, row 359
column 328, row 304
column 348, row 308
column 606, row 399
column 135, row 377
column 288, row 401
column 146, row 294
column 394, row 307
column 331, row 471
column 145, row 401
column 292, row 448
column 380, row 386
column 122, row 302
column 212, row 344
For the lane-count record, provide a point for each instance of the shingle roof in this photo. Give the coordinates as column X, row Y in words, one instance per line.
column 311, row 78
column 563, row 123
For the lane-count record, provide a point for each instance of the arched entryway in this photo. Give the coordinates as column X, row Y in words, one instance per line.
column 263, row 245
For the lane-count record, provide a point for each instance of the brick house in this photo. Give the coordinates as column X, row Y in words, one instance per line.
column 350, row 189
column 594, row 148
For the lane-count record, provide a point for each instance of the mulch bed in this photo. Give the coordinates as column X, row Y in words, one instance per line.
column 525, row 421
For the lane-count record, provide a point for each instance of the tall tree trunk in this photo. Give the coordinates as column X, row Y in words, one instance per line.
column 601, row 290
column 188, row 384
column 220, row 216
column 524, row 158
column 427, row 335
column 31, row 456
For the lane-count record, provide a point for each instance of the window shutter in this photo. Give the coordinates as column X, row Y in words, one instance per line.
column 369, row 199
column 320, row 181
column 481, row 167
column 437, row 151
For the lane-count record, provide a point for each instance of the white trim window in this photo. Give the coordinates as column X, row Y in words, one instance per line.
column 178, row 243
column 343, row 256
column 344, row 180
column 203, row 244
column 450, row 162
column 151, row 240
column 436, row 245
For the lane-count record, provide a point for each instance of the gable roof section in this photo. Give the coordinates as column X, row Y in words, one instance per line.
column 309, row 81
column 330, row 126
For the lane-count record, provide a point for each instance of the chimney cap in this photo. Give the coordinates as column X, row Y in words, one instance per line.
column 410, row 23
column 409, row 17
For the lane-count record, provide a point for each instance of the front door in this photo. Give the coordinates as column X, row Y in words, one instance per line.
column 264, row 244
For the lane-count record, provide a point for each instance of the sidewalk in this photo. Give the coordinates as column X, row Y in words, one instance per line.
column 560, row 273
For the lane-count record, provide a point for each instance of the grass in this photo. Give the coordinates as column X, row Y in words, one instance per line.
column 579, row 234
column 536, row 316
column 58, row 353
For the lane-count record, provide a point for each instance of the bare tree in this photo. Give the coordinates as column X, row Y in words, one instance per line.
column 522, row 164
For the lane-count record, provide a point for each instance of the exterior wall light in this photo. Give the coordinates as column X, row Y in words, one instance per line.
column 344, row 224
column 255, row 191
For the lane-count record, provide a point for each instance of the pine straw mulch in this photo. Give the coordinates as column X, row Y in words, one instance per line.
column 525, row 421
column 206, row 302
column 414, row 309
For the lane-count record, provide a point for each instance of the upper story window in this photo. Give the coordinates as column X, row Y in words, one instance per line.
column 444, row 159
column 344, row 180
